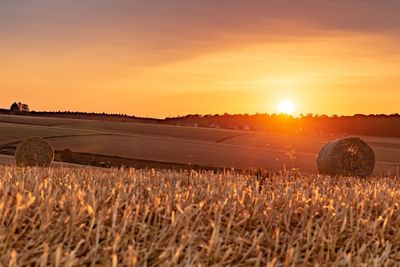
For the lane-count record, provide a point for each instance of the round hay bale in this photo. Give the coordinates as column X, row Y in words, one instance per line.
column 34, row 151
column 348, row 157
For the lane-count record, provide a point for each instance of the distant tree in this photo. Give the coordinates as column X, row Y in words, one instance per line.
column 19, row 107
column 24, row 107
column 14, row 108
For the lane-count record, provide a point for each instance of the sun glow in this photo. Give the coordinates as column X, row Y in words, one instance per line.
column 286, row 107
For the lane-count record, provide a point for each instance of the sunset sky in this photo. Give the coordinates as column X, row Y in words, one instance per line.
column 173, row 57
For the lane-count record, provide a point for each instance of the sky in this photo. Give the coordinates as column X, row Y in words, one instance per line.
column 159, row 58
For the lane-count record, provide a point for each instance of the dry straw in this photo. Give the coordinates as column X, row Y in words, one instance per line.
column 92, row 217
column 349, row 157
column 34, row 151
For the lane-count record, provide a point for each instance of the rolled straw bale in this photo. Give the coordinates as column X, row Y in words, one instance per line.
column 34, row 151
column 348, row 157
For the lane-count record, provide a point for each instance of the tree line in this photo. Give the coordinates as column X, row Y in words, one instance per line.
column 359, row 124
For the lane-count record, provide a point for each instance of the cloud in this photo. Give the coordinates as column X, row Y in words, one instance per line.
column 169, row 29
column 118, row 51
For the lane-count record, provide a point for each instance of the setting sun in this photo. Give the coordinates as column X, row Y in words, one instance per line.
column 287, row 107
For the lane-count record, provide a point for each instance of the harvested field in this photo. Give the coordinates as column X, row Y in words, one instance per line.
column 13, row 132
column 65, row 217
column 6, row 160
column 178, row 132
column 10, row 160
column 184, row 152
column 188, row 145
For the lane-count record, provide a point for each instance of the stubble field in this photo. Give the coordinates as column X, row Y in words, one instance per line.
column 87, row 217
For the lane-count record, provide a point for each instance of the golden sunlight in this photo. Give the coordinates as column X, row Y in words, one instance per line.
column 287, row 107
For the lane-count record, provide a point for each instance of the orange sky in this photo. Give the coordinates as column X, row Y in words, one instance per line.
column 152, row 58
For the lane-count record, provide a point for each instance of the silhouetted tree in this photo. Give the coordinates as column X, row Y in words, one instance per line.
column 24, row 107
column 19, row 107
column 14, row 108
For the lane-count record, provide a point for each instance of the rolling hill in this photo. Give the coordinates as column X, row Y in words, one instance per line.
column 186, row 145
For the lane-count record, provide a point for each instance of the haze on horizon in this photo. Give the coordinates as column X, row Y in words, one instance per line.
column 161, row 58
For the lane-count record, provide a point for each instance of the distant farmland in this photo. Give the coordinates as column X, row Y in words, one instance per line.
column 186, row 145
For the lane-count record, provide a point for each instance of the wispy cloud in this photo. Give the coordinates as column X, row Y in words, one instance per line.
column 175, row 28
column 161, row 49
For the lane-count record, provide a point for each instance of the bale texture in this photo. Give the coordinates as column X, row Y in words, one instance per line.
column 34, row 151
column 348, row 157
